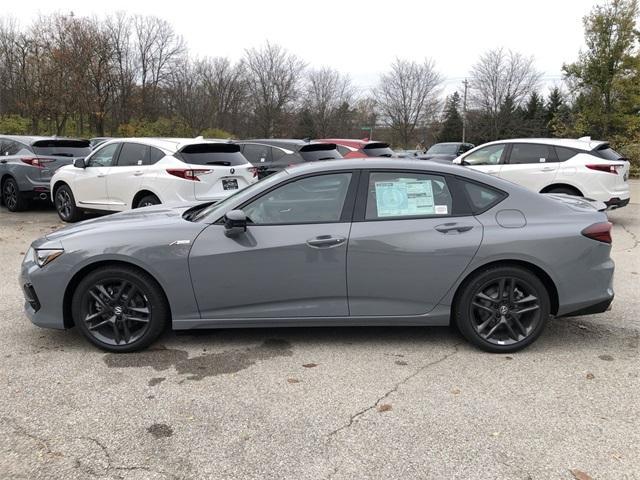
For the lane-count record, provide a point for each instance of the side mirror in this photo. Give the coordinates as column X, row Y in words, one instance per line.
column 235, row 223
column 79, row 163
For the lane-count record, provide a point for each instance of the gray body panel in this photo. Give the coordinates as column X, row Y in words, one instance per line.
column 398, row 272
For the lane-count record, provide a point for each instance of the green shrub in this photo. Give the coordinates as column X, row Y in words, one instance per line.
column 14, row 125
column 632, row 152
column 217, row 133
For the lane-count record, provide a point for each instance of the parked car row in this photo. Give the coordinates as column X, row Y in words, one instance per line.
column 121, row 174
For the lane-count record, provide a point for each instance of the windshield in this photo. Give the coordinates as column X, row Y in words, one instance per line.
column 378, row 150
column 319, row 151
column 444, row 149
column 224, row 154
column 62, row 148
column 196, row 214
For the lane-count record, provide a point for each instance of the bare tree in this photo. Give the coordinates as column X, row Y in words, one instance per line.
column 188, row 96
column 273, row 82
column 407, row 96
column 502, row 78
column 326, row 91
column 118, row 29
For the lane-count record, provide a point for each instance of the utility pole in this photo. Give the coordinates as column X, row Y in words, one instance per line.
column 464, row 111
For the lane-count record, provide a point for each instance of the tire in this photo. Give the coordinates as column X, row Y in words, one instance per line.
column 11, row 197
column 120, row 309
column 147, row 201
column 565, row 190
column 65, row 204
column 507, row 322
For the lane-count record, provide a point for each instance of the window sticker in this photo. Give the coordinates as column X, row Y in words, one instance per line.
column 404, row 197
column 441, row 210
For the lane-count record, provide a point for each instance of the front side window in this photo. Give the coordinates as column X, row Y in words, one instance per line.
column 318, row 199
column 399, row 195
column 528, row 153
column 104, row 157
column 490, row 155
column 133, row 154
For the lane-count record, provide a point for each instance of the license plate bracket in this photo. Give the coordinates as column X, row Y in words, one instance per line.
column 229, row 184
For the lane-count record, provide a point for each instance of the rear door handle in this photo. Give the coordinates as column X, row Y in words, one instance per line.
column 325, row 241
column 453, row 228
column 100, row 175
column 547, row 169
column 138, row 173
column 492, row 171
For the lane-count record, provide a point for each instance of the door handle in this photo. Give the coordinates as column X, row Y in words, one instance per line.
column 100, row 175
column 3, row 161
column 138, row 173
column 547, row 169
column 325, row 241
column 492, row 171
column 453, row 227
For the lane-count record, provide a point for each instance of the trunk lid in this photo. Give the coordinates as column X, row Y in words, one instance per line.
column 55, row 153
column 581, row 204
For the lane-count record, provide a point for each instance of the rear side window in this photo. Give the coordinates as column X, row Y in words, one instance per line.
column 606, row 152
column 319, row 151
column 223, row 154
column 257, row 154
column 62, row 148
column 564, row 153
column 342, row 149
column 155, row 154
column 9, row 147
column 482, row 197
column 133, row 154
column 378, row 150
column 528, row 153
column 400, row 195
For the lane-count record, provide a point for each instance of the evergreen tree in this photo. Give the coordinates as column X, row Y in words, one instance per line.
column 451, row 130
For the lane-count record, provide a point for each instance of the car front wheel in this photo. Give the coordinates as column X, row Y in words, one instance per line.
column 502, row 309
column 120, row 309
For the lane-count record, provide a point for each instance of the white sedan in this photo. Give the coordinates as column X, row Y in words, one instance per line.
column 137, row 172
column 582, row 167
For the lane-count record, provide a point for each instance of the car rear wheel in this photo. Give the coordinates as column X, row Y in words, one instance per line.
column 120, row 309
column 502, row 309
column 11, row 196
column 65, row 204
column 147, row 201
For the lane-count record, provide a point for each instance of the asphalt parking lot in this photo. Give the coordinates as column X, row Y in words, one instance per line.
column 322, row 403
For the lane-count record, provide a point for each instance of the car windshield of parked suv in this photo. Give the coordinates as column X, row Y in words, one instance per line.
column 319, row 151
column 443, row 149
column 378, row 150
column 223, row 154
column 62, row 148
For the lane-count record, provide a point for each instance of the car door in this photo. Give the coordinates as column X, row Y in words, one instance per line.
column 487, row 159
column 90, row 183
column 125, row 177
column 531, row 165
column 410, row 241
column 291, row 261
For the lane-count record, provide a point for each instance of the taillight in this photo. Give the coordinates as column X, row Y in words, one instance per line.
column 599, row 231
column 254, row 171
column 36, row 162
column 606, row 168
column 187, row 173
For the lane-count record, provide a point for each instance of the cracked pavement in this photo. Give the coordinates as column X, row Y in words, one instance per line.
column 322, row 403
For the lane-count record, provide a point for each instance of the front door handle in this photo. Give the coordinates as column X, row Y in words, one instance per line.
column 491, row 172
column 326, row 241
column 138, row 173
column 547, row 169
column 453, row 228
column 100, row 175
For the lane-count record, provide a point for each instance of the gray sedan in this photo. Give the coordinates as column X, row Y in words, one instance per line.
column 349, row 242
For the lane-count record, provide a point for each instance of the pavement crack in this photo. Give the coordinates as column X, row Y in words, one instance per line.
column 396, row 386
column 632, row 235
column 43, row 443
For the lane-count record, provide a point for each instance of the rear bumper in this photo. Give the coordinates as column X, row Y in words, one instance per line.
column 617, row 202
column 601, row 306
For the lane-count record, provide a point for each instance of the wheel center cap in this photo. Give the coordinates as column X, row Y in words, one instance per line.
column 118, row 310
column 503, row 310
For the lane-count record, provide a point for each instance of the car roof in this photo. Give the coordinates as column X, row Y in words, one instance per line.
column 584, row 143
column 31, row 139
column 349, row 142
column 287, row 143
column 169, row 144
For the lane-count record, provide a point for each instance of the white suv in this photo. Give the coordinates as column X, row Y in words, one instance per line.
column 137, row 172
column 582, row 167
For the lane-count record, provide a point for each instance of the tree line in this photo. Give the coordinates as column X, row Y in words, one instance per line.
column 132, row 75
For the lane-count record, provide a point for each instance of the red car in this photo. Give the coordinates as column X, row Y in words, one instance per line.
column 350, row 148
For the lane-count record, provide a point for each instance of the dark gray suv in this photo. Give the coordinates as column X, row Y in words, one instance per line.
column 28, row 163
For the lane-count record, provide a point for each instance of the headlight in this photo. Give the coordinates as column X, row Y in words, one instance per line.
column 47, row 255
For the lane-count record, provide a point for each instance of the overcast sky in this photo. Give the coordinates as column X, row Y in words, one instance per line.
column 362, row 38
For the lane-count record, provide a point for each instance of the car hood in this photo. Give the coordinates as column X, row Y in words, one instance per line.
column 148, row 218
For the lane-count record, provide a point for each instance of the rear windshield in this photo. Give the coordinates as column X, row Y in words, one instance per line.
column 444, row 149
column 319, row 151
column 224, row 154
column 608, row 153
column 62, row 148
column 378, row 150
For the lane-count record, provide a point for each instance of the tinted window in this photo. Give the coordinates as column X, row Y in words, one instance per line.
column 528, row 153
column 223, row 154
column 481, row 197
column 393, row 195
column 257, row 154
column 277, row 154
column 103, row 157
column 133, row 154
column 378, row 150
column 342, row 149
column 444, row 149
column 9, row 147
column 155, row 154
column 62, row 148
column 608, row 153
column 490, row 155
column 564, row 154
column 318, row 199
column 319, row 151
